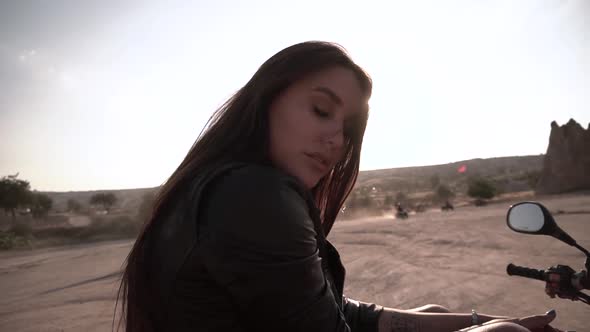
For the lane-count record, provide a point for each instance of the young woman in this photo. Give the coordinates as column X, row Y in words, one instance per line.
column 236, row 241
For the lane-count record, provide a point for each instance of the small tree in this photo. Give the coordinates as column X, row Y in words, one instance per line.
column 352, row 200
column 74, row 205
column 533, row 178
column 365, row 201
column 40, row 205
column 401, row 198
column 444, row 193
column 434, row 181
column 106, row 200
column 389, row 201
column 14, row 193
column 481, row 189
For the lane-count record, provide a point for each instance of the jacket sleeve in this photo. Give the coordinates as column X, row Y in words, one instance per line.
column 361, row 316
column 259, row 243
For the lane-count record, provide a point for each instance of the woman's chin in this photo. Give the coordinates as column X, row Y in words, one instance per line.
column 310, row 181
column 307, row 178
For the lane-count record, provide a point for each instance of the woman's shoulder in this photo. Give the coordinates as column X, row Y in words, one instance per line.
column 249, row 172
column 253, row 181
column 255, row 201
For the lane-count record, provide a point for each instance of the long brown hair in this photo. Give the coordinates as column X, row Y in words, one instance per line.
column 238, row 131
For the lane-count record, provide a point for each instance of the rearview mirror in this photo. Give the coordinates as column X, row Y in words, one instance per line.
column 534, row 218
column 526, row 218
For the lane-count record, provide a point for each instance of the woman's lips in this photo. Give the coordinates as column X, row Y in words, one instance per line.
column 319, row 161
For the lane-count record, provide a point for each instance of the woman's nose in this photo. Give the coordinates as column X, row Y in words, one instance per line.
column 336, row 139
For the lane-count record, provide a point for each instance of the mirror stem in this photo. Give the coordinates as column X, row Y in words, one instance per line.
column 582, row 249
column 563, row 236
column 587, row 264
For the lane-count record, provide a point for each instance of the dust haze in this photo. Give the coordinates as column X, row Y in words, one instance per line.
column 456, row 259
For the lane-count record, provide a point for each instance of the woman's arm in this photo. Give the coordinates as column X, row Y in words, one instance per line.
column 394, row 320
column 258, row 242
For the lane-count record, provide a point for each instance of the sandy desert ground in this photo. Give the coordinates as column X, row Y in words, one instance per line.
column 454, row 259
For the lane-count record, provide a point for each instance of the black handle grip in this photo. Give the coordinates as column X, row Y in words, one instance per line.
column 515, row 270
column 585, row 282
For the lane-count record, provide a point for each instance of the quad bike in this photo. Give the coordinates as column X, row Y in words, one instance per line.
column 561, row 280
column 447, row 207
column 401, row 214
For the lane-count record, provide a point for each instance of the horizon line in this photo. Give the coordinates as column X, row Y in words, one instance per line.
column 360, row 171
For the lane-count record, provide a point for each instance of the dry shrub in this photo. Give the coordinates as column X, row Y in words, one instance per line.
column 19, row 235
column 9, row 240
column 120, row 227
column 100, row 228
column 21, row 229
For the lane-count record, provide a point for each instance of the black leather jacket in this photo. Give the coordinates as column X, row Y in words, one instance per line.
column 244, row 250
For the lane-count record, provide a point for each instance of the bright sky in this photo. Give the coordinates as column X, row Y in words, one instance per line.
column 104, row 95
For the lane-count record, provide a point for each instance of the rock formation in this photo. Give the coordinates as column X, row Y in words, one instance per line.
column 567, row 163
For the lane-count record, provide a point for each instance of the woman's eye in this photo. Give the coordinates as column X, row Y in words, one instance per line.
column 321, row 113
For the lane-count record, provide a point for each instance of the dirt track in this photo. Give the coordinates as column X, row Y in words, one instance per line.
column 454, row 259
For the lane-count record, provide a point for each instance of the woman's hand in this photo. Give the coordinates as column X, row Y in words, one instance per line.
column 535, row 323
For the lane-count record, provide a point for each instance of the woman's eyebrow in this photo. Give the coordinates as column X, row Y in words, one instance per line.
column 333, row 96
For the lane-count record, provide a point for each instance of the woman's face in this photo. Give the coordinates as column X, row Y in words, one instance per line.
column 310, row 120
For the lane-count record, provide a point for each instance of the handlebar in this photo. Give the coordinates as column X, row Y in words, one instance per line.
column 515, row 270
column 569, row 282
column 585, row 280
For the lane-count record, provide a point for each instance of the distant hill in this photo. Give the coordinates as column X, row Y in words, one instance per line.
column 511, row 174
